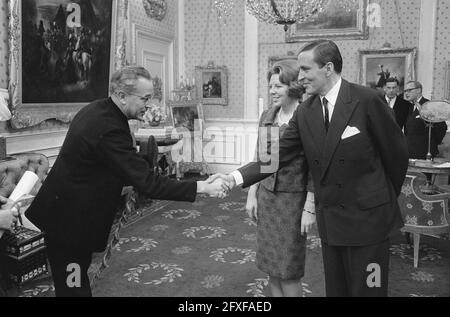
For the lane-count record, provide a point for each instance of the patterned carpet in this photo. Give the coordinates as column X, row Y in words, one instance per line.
column 207, row 249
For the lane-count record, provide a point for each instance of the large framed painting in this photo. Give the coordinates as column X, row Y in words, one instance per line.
column 62, row 54
column 335, row 21
column 212, row 84
column 379, row 65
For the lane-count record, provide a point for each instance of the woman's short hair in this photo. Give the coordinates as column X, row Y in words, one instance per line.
column 125, row 78
column 288, row 70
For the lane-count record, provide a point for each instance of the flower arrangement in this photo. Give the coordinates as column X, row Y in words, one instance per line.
column 154, row 115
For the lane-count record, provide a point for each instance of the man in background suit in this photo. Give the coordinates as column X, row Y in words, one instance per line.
column 400, row 106
column 358, row 158
column 77, row 203
column 416, row 130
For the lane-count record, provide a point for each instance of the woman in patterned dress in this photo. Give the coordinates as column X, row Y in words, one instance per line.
column 277, row 203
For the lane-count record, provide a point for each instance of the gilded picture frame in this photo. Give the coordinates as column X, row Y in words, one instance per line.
column 60, row 60
column 333, row 23
column 212, row 84
column 378, row 65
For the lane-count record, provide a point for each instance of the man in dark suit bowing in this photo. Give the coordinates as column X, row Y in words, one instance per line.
column 77, row 203
column 400, row 106
column 358, row 159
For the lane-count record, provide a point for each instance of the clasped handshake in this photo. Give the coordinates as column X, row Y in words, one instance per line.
column 217, row 185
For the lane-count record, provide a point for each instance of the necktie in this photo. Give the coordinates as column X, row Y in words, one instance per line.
column 390, row 103
column 327, row 114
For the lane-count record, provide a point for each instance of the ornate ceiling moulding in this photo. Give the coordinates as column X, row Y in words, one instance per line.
column 155, row 9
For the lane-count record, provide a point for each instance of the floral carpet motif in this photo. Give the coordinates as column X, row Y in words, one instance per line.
column 208, row 248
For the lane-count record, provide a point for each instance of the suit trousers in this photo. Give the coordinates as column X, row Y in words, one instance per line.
column 66, row 277
column 356, row 271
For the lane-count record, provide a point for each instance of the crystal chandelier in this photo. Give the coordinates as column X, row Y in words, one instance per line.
column 223, row 9
column 288, row 12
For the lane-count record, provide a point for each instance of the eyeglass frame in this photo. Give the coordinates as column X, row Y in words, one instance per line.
column 411, row 89
column 145, row 99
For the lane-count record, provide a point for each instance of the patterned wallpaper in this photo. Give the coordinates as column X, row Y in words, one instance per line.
column 272, row 41
column 442, row 56
column 196, row 13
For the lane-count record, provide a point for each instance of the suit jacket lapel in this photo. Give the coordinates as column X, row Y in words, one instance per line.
column 316, row 123
column 341, row 115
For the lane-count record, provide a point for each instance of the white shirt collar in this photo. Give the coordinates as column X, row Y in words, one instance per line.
column 333, row 93
column 332, row 96
column 391, row 102
column 417, row 104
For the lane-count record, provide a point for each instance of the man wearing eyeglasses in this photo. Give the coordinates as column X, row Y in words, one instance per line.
column 77, row 203
column 416, row 130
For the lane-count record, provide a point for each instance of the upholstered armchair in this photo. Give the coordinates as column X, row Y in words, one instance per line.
column 423, row 214
column 11, row 171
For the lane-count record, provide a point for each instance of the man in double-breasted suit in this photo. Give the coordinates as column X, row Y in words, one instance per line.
column 358, row 158
column 77, row 202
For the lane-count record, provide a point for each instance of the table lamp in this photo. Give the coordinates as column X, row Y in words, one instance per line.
column 434, row 111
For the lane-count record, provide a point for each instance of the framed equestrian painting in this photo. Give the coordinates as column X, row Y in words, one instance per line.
column 212, row 84
column 339, row 20
column 62, row 54
column 379, row 65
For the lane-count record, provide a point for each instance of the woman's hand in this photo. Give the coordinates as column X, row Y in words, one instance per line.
column 308, row 220
column 252, row 203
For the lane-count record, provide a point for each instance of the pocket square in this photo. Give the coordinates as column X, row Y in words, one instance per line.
column 349, row 132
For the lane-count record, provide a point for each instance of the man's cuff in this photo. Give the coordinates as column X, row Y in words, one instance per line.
column 237, row 177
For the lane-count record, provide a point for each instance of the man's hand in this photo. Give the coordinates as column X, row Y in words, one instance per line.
column 9, row 213
column 6, row 203
column 227, row 178
column 217, row 188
